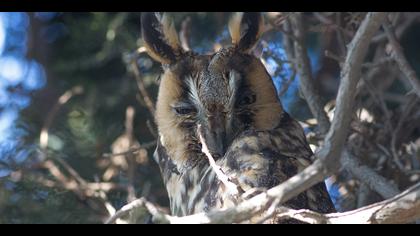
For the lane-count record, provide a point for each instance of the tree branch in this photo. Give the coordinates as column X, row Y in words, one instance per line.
column 313, row 98
column 63, row 99
column 140, row 83
column 350, row 74
column 398, row 55
column 316, row 106
column 232, row 188
column 368, row 176
column 403, row 208
column 307, row 84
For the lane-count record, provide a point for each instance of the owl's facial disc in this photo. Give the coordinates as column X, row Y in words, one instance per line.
column 211, row 123
column 209, row 103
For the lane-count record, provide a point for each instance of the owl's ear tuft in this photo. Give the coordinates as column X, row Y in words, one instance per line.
column 160, row 38
column 245, row 30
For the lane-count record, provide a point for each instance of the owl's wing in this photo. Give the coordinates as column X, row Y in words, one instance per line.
column 264, row 159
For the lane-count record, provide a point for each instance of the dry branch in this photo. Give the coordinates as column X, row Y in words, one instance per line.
column 232, row 188
column 307, row 84
column 316, row 106
column 313, row 98
column 368, row 176
column 140, row 83
column 403, row 208
column 63, row 99
column 398, row 54
column 349, row 162
column 73, row 181
column 350, row 76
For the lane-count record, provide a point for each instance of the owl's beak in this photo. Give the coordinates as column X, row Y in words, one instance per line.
column 220, row 145
column 215, row 135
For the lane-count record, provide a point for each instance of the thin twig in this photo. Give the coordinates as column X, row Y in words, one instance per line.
column 152, row 129
column 398, row 55
column 341, row 39
column 406, row 111
column 285, row 86
column 409, row 19
column 63, row 99
column 131, row 163
column 158, row 215
column 132, row 150
column 232, row 188
column 380, row 101
column 71, row 171
column 307, row 84
column 368, row 176
column 76, row 183
column 140, row 84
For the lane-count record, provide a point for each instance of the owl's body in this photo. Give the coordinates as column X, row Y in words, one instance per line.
column 231, row 97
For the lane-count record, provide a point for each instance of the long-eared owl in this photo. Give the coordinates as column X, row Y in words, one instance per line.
column 232, row 98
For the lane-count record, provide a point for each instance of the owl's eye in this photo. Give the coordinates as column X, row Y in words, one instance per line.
column 246, row 99
column 184, row 109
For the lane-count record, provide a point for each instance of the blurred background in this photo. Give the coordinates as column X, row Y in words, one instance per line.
column 76, row 89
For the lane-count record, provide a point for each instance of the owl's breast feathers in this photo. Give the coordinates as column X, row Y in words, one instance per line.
column 265, row 159
column 256, row 159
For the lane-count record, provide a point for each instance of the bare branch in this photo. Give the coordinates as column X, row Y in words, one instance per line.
column 398, row 55
column 140, row 83
column 132, row 150
column 403, row 208
column 130, row 159
column 394, row 136
column 350, row 76
column 63, row 99
column 74, row 182
column 307, row 85
column 366, row 175
column 286, row 85
column 231, row 187
column 314, row 102
column 409, row 20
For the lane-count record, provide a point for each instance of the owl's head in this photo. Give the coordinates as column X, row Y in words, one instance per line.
column 224, row 93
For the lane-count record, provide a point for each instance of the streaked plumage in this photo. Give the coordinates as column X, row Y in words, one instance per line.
column 232, row 97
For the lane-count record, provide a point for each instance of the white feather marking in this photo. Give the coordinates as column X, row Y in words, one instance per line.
column 193, row 91
column 234, row 78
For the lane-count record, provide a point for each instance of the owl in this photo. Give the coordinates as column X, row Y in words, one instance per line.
column 228, row 99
